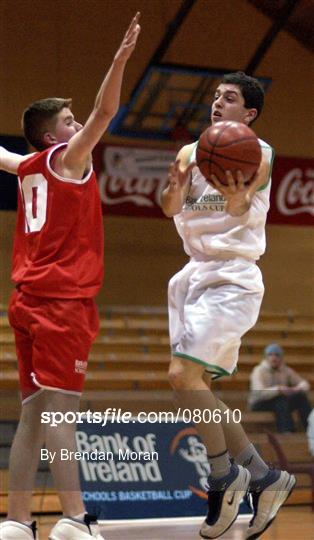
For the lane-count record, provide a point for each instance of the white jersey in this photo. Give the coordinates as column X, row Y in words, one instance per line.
column 208, row 231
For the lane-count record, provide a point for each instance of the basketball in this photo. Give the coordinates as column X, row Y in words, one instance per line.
column 227, row 146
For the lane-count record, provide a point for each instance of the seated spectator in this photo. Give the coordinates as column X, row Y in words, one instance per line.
column 276, row 387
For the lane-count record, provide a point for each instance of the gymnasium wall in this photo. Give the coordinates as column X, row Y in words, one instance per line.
column 52, row 47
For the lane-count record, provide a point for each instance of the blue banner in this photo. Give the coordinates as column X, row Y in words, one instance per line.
column 135, row 470
column 8, row 182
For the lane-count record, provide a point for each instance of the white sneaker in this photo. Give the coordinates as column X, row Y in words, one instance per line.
column 73, row 529
column 14, row 530
column 268, row 495
column 224, row 498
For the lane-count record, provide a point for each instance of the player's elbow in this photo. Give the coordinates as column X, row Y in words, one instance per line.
column 168, row 207
column 165, row 209
column 105, row 115
column 168, row 213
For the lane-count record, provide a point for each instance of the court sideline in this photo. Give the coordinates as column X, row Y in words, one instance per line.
column 293, row 523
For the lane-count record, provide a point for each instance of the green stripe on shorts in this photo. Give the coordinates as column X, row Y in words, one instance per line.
column 210, row 368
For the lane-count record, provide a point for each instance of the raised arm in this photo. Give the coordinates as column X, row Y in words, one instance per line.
column 74, row 160
column 173, row 197
column 9, row 161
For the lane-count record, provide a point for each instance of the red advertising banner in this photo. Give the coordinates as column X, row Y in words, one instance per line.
column 131, row 180
column 292, row 193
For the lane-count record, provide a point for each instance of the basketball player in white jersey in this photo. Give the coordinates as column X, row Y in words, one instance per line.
column 213, row 301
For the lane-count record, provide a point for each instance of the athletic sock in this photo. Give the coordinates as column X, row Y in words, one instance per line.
column 252, row 461
column 219, row 464
column 80, row 517
column 262, row 483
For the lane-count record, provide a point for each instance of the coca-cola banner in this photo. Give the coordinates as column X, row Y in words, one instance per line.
column 131, row 181
column 292, row 193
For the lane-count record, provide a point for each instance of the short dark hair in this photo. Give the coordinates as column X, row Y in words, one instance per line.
column 39, row 117
column 251, row 89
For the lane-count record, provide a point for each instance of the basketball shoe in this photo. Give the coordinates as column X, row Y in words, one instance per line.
column 74, row 529
column 224, row 498
column 268, row 495
column 14, row 530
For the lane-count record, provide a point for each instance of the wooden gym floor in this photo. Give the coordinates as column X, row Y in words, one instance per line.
column 292, row 523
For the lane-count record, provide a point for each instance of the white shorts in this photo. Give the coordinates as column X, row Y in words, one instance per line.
column 211, row 305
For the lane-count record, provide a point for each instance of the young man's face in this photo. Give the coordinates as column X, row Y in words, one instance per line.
column 65, row 126
column 275, row 360
column 228, row 104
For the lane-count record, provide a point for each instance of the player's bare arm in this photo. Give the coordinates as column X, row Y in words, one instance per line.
column 9, row 161
column 239, row 196
column 73, row 162
column 179, row 176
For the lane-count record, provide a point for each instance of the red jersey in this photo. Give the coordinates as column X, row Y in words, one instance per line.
column 58, row 248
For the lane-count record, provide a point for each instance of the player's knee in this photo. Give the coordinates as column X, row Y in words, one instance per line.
column 180, row 378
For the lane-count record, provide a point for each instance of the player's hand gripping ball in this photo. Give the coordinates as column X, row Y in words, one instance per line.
column 228, row 146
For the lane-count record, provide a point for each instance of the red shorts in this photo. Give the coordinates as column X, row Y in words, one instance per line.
column 53, row 338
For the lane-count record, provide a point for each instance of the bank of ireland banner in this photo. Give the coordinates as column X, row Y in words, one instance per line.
column 134, row 470
column 132, row 179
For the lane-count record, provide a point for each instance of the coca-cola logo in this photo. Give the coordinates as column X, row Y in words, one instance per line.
column 139, row 191
column 133, row 175
column 295, row 194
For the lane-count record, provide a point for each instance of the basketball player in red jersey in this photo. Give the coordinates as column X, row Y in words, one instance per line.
column 58, row 270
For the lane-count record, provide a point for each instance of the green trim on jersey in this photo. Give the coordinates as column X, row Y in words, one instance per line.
column 195, row 145
column 264, row 186
column 211, row 368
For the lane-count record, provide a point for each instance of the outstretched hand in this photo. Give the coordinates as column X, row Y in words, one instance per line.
column 237, row 194
column 178, row 177
column 129, row 41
